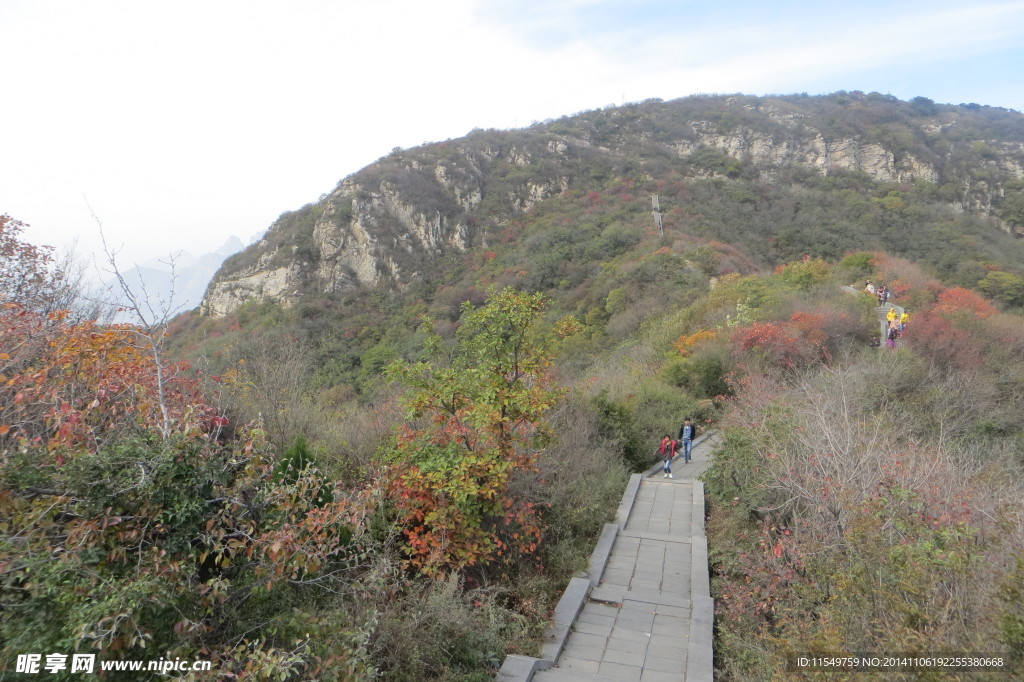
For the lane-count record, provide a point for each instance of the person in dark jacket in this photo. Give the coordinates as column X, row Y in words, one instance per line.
column 687, row 434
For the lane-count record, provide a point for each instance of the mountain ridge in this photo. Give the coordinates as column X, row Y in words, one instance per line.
column 391, row 221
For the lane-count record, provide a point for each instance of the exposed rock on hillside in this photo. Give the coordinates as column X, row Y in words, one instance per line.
column 389, row 222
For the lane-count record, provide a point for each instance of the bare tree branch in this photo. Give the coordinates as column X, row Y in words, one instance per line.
column 151, row 324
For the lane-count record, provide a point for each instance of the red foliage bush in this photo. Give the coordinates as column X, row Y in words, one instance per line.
column 935, row 337
column 811, row 327
column 70, row 385
column 799, row 342
column 957, row 300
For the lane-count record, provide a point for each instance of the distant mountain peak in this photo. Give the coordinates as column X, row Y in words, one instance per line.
column 230, row 247
column 192, row 274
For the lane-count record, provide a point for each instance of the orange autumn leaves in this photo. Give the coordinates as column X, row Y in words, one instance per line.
column 70, row 385
column 477, row 423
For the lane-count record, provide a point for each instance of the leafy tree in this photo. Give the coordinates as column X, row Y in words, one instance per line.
column 706, row 260
column 805, row 273
column 1003, row 286
column 477, row 420
column 616, row 301
column 1012, row 207
column 716, row 161
column 36, row 279
column 922, row 106
column 71, row 386
column 799, row 342
column 298, row 462
column 704, row 376
column 24, row 268
column 133, row 522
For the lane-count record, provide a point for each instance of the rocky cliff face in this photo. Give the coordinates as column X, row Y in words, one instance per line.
column 771, row 152
column 361, row 237
column 390, row 221
column 374, row 230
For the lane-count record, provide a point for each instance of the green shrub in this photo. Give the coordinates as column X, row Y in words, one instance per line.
column 660, row 409
column 619, row 432
column 442, row 631
column 736, row 470
column 294, row 463
column 703, row 376
column 805, row 273
column 1011, row 620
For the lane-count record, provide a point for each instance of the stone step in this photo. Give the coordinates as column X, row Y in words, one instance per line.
column 559, row 675
column 646, row 614
column 616, row 594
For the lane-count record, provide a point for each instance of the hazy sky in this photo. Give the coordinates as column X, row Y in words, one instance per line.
column 183, row 123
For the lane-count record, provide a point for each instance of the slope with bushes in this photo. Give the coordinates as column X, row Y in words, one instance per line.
column 150, row 512
column 396, row 478
column 775, row 176
column 869, row 500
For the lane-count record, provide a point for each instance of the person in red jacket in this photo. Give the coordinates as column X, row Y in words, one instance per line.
column 667, row 450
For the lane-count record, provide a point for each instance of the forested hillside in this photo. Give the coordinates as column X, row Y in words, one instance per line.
column 399, row 423
column 869, row 500
column 776, row 176
column 744, row 183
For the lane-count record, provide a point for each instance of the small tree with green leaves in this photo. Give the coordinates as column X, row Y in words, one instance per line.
column 476, row 414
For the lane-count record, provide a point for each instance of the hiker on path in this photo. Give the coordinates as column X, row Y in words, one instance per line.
column 869, row 288
column 667, row 450
column 891, row 316
column 904, row 318
column 687, row 434
column 890, row 340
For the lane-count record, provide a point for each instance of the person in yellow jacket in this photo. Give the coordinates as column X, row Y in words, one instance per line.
column 891, row 315
column 904, row 318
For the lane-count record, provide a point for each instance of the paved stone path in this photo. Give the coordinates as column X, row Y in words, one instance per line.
column 880, row 312
column 636, row 626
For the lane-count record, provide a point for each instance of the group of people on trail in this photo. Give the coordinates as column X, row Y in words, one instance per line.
column 668, row 445
column 897, row 323
column 881, row 292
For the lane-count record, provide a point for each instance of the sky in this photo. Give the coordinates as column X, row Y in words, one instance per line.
column 176, row 125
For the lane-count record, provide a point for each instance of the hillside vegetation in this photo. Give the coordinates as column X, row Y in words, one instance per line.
column 871, row 501
column 777, row 177
column 564, row 207
column 395, row 479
